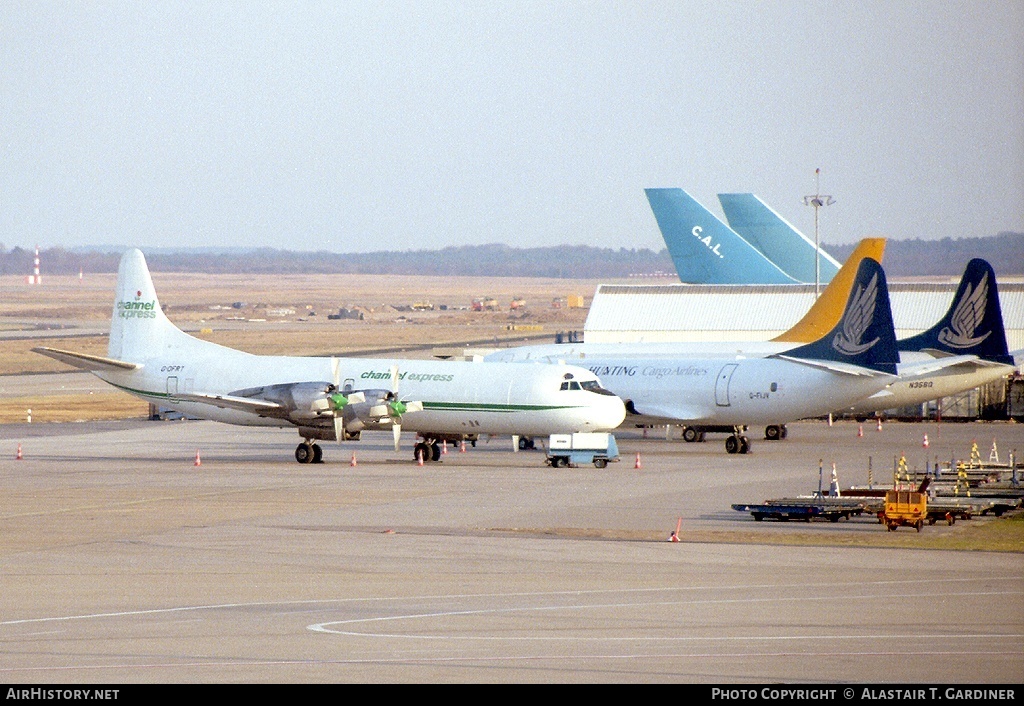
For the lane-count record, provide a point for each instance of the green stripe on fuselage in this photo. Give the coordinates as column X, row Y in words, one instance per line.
column 435, row 406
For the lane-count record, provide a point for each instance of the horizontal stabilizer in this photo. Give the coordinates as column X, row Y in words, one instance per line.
column 835, row 366
column 84, row 361
column 928, row 368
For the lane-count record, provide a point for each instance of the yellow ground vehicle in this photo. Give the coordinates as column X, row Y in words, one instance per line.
column 905, row 508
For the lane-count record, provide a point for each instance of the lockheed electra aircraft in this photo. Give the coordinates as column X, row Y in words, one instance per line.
column 327, row 398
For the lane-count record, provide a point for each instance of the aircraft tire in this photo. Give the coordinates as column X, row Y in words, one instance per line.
column 732, row 444
column 435, row 452
column 421, row 451
column 690, row 435
column 772, row 432
column 318, row 454
column 744, row 445
column 304, row 453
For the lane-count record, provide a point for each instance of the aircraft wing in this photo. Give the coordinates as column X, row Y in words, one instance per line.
column 245, row 404
column 661, row 414
column 85, row 361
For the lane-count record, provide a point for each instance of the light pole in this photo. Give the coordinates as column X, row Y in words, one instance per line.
column 817, row 200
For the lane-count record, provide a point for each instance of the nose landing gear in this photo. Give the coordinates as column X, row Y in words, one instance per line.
column 737, row 443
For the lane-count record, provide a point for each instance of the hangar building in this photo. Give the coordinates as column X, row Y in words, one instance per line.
column 708, row 312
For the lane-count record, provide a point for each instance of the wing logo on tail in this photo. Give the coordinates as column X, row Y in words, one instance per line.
column 860, row 313
column 967, row 316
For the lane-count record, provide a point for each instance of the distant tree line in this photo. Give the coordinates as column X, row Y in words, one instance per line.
column 902, row 259
column 907, row 258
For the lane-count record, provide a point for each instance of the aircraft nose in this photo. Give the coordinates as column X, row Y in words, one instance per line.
column 607, row 414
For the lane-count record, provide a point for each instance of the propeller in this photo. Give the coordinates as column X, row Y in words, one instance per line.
column 397, row 407
column 336, row 402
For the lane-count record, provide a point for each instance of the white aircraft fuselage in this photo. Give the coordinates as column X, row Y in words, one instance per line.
column 709, row 389
column 920, row 378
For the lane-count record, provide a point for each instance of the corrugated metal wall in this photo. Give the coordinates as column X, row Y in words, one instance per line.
column 682, row 312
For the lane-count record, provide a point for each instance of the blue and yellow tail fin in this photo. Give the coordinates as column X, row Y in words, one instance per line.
column 865, row 336
column 973, row 324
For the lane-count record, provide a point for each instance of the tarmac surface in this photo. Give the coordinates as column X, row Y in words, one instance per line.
column 123, row 561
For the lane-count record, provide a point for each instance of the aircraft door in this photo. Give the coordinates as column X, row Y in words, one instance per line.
column 172, row 385
column 722, row 384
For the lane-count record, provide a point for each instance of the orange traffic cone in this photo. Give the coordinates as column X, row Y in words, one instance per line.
column 444, row 447
column 830, row 419
column 419, row 458
column 353, row 461
column 462, row 447
column 18, row 456
column 925, row 442
column 860, row 430
column 637, row 465
column 197, row 461
column 879, row 427
column 674, row 537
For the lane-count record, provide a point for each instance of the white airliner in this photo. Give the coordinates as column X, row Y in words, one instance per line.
column 334, row 398
column 854, row 360
column 965, row 349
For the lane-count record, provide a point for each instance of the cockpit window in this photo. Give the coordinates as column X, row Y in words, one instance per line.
column 570, row 385
column 594, row 386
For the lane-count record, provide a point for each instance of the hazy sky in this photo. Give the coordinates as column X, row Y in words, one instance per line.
column 398, row 125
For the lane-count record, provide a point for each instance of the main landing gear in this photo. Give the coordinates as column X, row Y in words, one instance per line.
column 737, row 443
column 426, row 451
column 307, row 452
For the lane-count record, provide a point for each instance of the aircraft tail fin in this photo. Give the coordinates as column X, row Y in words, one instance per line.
column 973, row 324
column 776, row 238
column 826, row 311
column 139, row 330
column 705, row 250
column 864, row 337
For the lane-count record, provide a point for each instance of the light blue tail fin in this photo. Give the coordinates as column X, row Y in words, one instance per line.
column 865, row 336
column 973, row 324
column 776, row 238
column 705, row 250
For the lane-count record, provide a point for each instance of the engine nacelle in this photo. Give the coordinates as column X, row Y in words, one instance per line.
column 300, row 400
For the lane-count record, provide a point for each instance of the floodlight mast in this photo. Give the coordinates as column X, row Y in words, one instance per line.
column 817, row 200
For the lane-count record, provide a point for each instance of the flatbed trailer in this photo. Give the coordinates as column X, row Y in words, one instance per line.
column 785, row 510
